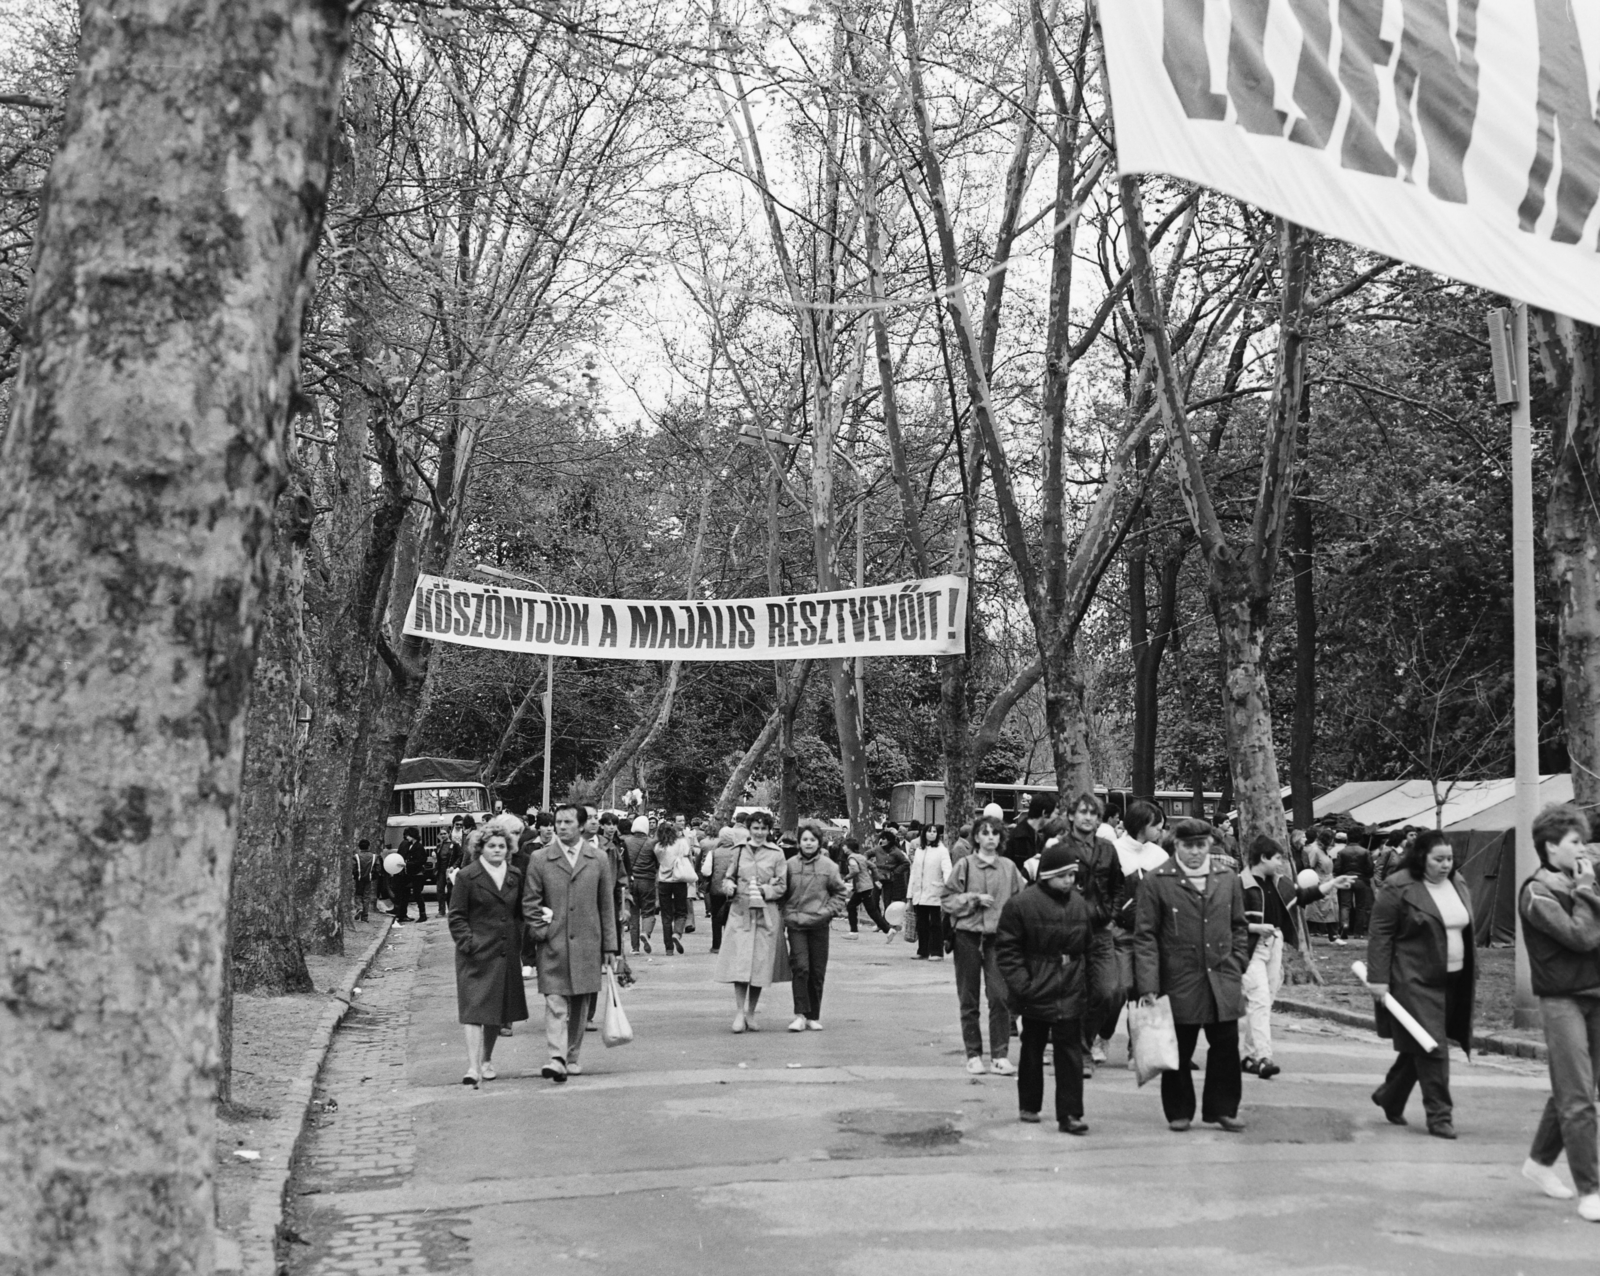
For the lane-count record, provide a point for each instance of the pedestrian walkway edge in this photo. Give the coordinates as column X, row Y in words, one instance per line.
column 259, row 1237
column 1485, row 1042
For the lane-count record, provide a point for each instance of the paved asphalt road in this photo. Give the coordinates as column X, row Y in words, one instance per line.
column 866, row 1149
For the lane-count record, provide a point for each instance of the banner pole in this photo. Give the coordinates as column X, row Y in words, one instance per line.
column 1525, row 649
column 549, row 704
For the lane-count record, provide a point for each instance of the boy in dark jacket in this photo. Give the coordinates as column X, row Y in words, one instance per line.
column 1042, row 948
column 1560, row 909
column 408, row 885
column 1190, row 943
column 364, row 870
column 1101, row 882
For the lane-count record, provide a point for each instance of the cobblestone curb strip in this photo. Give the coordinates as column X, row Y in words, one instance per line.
column 258, row 1240
column 1486, row 1042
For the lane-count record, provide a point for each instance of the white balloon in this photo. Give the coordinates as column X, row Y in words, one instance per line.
column 895, row 914
column 1307, row 879
column 394, row 863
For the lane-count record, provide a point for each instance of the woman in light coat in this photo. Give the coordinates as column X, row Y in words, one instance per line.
column 753, row 953
column 930, row 865
column 486, row 925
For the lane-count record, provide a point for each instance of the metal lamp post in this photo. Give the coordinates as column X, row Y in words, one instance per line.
column 549, row 675
column 1508, row 347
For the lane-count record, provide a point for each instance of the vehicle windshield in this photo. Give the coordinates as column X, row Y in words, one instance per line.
column 460, row 800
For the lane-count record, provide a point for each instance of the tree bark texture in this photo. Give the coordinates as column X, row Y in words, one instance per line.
column 264, row 940
column 1302, row 544
column 1571, row 355
column 137, row 481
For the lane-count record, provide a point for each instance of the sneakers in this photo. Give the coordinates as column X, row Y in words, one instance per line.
column 1028, row 1118
column 1266, row 1070
column 976, row 1066
column 1003, row 1067
column 1340, row 942
column 889, row 936
column 813, row 1025
column 850, row 935
column 574, row 1068
column 487, row 1072
column 797, row 1024
column 1547, row 1180
column 1097, row 1052
column 1589, row 1207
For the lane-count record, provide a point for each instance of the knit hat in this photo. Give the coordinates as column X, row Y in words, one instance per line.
column 1056, row 860
column 640, row 824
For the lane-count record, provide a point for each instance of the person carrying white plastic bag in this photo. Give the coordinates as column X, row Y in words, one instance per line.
column 615, row 1030
column 1152, row 1039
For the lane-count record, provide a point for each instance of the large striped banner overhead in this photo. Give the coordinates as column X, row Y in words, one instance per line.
column 1457, row 135
column 912, row 618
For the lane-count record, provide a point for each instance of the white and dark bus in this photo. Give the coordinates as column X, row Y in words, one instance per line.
column 924, row 800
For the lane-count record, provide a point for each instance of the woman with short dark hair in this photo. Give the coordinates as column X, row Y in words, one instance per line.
column 1421, row 952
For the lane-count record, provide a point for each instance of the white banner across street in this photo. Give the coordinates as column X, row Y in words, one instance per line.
column 913, row 618
column 1457, row 135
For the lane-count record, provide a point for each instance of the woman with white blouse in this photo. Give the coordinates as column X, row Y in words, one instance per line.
column 1420, row 951
column 930, row 865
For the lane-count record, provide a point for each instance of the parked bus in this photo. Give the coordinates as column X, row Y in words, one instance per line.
column 924, row 800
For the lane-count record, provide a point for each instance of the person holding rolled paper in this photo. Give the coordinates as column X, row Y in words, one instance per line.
column 1420, row 951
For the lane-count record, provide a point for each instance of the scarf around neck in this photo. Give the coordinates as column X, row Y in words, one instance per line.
column 1197, row 876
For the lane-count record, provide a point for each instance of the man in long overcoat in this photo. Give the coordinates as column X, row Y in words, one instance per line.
column 570, row 915
column 1190, row 944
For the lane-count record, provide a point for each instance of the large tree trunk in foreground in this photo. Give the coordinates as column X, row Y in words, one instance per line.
column 137, row 482
column 1571, row 353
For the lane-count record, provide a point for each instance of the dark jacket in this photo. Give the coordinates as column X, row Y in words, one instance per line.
column 1274, row 901
column 1561, row 924
column 1100, row 875
column 486, row 925
column 1407, row 949
column 415, row 855
column 1021, row 845
column 1041, row 948
column 1356, row 861
column 1189, row 947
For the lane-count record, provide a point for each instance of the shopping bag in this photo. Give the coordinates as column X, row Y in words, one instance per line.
column 615, row 1030
column 1153, row 1039
column 910, row 929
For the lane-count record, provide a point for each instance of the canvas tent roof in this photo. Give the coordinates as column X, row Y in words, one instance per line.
column 1351, row 794
column 1503, row 814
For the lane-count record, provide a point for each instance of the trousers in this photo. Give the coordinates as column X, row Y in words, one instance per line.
column 808, row 968
column 1068, row 1037
column 1262, row 979
column 717, row 906
column 1572, row 1033
column 1103, row 987
column 975, row 964
column 930, row 930
column 1432, row 1071
column 869, row 901
column 1224, row 1082
column 564, row 1021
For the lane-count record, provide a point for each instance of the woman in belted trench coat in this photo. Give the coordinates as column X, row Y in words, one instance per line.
column 1409, row 955
column 486, row 925
column 754, row 952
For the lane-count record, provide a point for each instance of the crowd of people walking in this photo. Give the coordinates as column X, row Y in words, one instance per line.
column 1055, row 926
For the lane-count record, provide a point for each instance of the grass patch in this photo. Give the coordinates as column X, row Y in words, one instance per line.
column 1496, row 994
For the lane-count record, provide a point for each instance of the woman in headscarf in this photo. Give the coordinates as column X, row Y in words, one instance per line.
column 752, row 953
column 486, row 925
